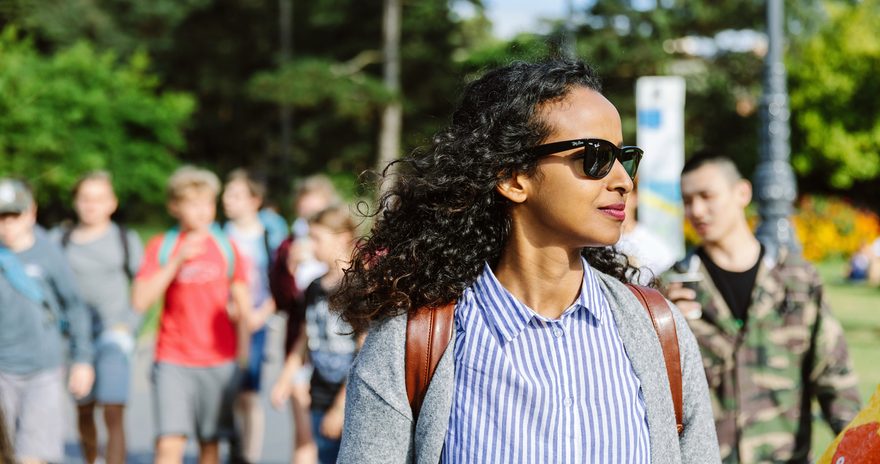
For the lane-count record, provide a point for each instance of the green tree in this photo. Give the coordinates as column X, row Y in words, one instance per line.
column 834, row 89
column 227, row 53
column 78, row 110
column 123, row 26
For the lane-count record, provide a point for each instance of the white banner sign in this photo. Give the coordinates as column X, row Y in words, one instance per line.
column 660, row 110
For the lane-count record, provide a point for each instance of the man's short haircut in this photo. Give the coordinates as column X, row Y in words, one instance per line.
column 707, row 157
column 317, row 184
column 255, row 184
column 99, row 175
column 189, row 178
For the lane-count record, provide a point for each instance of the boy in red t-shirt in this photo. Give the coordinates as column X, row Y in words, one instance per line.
column 196, row 269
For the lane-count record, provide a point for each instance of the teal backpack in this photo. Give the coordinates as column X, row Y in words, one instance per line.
column 170, row 238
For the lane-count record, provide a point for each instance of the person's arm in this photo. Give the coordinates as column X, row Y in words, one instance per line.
column 79, row 318
column 832, row 378
column 148, row 289
column 135, row 260
column 331, row 425
column 259, row 317
column 242, row 308
column 293, row 363
column 698, row 441
column 241, row 311
column 135, row 252
column 334, row 417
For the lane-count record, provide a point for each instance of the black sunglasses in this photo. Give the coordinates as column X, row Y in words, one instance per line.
column 598, row 155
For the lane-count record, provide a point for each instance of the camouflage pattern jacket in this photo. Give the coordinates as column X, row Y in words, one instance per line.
column 764, row 372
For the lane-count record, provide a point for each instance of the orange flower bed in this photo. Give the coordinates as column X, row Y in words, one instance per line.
column 831, row 227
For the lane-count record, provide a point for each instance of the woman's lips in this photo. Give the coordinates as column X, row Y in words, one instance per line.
column 615, row 211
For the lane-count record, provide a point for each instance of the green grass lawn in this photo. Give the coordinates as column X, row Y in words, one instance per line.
column 857, row 307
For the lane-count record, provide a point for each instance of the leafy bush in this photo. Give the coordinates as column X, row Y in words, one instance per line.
column 78, row 110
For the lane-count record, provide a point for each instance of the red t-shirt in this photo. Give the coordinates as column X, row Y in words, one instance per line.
column 195, row 329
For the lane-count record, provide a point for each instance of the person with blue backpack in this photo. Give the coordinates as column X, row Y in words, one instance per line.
column 39, row 299
column 257, row 241
column 197, row 272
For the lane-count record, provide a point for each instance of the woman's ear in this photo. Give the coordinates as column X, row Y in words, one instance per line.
column 514, row 187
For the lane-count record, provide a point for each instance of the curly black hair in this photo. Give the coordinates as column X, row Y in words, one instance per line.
column 442, row 218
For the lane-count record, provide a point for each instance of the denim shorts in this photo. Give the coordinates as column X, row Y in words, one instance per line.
column 253, row 372
column 112, row 369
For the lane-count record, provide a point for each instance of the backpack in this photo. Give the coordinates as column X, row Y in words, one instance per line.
column 171, row 237
column 267, row 246
column 429, row 330
column 123, row 240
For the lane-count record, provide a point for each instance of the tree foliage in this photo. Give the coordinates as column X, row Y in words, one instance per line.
column 834, row 96
column 124, row 26
column 227, row 54
column 78, row 110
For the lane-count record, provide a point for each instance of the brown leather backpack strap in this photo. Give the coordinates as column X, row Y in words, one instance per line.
column 664, row 325
column 428, row 332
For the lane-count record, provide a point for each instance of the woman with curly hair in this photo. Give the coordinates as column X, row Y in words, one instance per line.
column 511, row 214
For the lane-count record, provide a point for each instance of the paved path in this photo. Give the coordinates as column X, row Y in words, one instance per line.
column 139, row 414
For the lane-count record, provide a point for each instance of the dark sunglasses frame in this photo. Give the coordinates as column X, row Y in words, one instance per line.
column 598, row 155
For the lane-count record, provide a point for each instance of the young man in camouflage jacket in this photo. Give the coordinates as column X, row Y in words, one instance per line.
column 769, row 342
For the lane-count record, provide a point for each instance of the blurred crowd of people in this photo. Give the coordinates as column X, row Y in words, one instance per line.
column 73, row 297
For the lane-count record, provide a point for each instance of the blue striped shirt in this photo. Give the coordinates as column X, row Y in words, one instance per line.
column 531, row 389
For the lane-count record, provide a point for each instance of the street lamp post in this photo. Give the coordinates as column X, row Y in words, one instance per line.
column 774, row 178
column 569, row 42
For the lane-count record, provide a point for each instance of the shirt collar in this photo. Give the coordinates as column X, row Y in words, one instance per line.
column 508, row 316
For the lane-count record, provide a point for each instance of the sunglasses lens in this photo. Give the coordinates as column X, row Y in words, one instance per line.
column 599, row 159
column 630, row 159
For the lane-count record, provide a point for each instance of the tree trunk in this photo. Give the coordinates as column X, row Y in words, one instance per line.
column 392, row 115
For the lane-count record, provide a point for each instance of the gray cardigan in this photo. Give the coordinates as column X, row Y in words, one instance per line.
column 379, row 423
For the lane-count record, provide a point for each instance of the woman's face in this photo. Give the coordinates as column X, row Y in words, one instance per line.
column 560, row 205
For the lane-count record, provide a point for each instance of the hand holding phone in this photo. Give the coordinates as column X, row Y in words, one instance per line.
column 681, row 290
